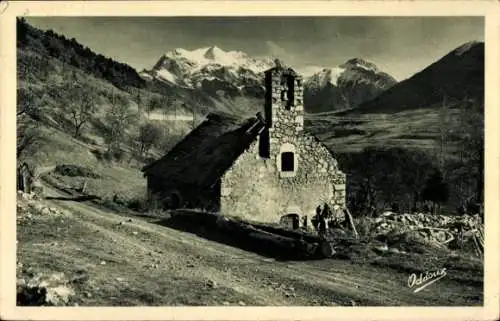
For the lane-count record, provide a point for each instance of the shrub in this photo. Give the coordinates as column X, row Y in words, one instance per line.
column 75, row 170
column 138, row 204
column 118, row 155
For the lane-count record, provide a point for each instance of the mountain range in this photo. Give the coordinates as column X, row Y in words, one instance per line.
column 457, row 76
column 231, row 74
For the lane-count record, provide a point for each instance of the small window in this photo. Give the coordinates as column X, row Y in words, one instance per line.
column 287, row 162
column 264, row 144
column 291, row 92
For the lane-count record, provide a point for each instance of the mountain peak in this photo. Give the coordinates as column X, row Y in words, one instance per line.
column 213, row 52
column 360, row 63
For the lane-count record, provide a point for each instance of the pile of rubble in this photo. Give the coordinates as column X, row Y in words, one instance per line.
column 439, row 230
column 30, row 206
column 43, row 289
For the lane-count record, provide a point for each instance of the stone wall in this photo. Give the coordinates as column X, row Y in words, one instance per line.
column 254, row 189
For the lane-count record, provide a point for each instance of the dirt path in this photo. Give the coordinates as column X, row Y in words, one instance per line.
column 157, row 265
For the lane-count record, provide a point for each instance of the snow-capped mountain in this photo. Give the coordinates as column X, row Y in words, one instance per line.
column 345, row 86
column 234, row 73
column 210, row 68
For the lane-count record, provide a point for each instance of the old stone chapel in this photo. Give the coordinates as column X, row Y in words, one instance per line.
column 258, row 168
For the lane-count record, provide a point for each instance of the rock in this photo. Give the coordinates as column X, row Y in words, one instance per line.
column 241, row 303
column 211, row 284
column 120, row 279
column 225, row 303
column 59, row 295
column 134, row 232
column 44, row 289
column 88, row 294
column 45, row 211
column 190, row 265
column 394, row 250
column 381, row 248
column 327, row 249
column 103, row 262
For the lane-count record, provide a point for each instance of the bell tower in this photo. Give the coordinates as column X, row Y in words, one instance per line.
column 284, row 98
column 284, row 117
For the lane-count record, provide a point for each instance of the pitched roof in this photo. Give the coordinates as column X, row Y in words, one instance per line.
column 205, row 154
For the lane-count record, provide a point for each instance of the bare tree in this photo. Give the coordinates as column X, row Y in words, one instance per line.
column 81, row 108
column 118, row 117
column 28, row 133
column 28, row 136
column 149, row 135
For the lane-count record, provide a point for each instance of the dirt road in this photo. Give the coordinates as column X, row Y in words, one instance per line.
column 128, row 260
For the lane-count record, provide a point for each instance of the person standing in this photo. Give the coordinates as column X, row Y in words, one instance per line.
column 315, row 219
column 304, row 222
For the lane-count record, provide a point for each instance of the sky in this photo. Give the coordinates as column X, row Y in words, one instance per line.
column 400, row 46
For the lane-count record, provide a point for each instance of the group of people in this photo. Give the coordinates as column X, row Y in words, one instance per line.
column 324, row 219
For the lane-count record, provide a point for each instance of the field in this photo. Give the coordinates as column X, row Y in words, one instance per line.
column 416, row 128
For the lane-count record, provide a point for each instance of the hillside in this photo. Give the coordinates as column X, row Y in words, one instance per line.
column 69, row 51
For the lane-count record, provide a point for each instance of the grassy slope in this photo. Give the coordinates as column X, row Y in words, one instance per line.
column 418, row 128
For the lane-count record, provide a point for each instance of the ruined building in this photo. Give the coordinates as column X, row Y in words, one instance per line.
column 259, row 168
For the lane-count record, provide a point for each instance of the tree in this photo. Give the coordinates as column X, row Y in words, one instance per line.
column 436, row 190
column 149, row 135
column 118, row 118
column 28, row 134
column 81, row 106
column 27, row 139
column 472, row 124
